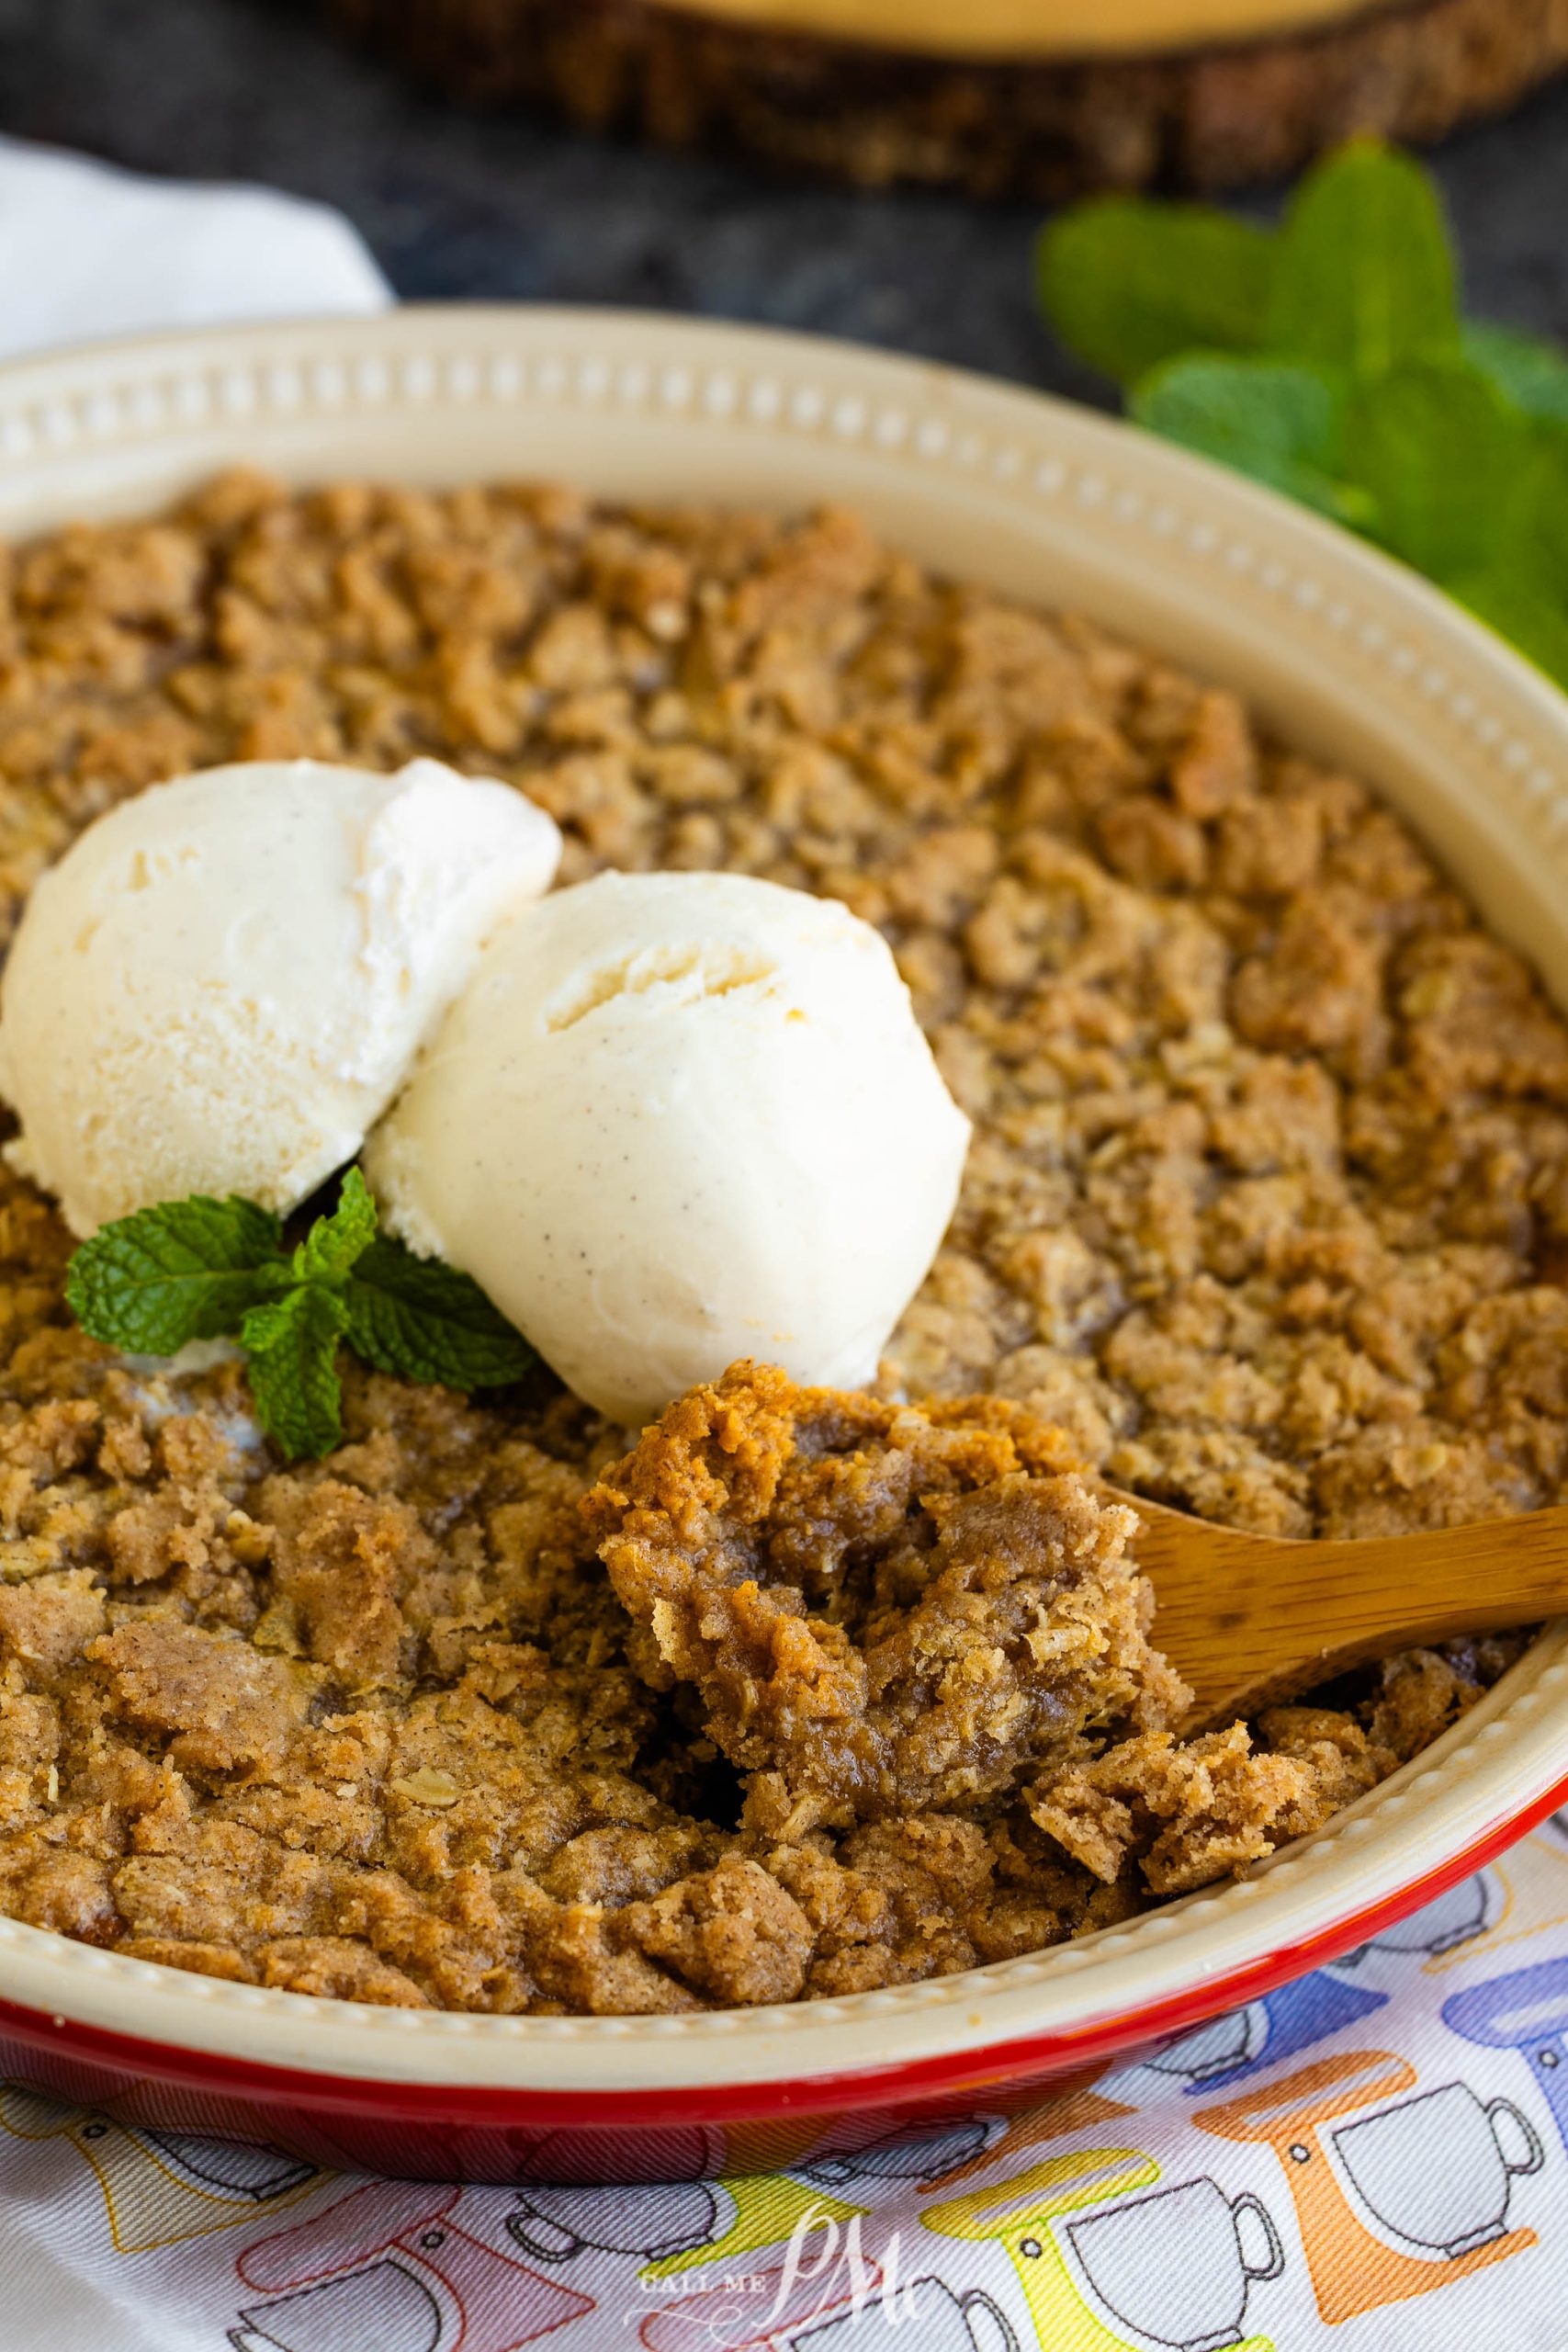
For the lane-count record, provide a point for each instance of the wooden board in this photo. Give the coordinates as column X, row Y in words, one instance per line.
column 1038, row 111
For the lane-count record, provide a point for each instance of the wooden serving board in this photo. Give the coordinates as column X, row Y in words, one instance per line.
column 1037, row 98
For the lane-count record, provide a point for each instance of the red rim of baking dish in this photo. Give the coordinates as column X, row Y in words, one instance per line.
column 949, row 2074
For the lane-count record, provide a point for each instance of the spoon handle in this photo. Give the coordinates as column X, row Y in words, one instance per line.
column 1248, row 1619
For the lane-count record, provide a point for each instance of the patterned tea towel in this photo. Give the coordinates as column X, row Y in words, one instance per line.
column 1374, row 2157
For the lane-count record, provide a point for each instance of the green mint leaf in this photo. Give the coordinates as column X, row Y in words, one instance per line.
column 292, row 1344
column 1524, row 611
column 1127, row 284
column 1442, row 456
column 1523, row 590
column 1364, row 274
column 181, row 1270
column 1532, row 375
column 335, row 1240
column 1282, row 424
column 1541, row 514
column 426, row 1321
column 1330, row 362
column 203, row 1269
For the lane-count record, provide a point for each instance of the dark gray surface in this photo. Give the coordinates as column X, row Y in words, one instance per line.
column 512, row 207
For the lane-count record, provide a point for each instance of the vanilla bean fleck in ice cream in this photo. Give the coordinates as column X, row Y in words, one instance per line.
column 675, row 1119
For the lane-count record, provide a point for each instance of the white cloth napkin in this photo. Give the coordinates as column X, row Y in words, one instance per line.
column 87, row 251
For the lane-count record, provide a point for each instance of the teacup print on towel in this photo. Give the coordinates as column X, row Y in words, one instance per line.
column 1527, row 2011
column 390, row 2262
column 1230, row 2048
column 1438, row 2170
column 1179, row 2266
column 160, row 2189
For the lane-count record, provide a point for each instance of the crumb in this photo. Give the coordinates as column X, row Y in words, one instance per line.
column 1266, row 1214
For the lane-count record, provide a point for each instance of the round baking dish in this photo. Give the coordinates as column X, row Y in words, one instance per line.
column 1343, row 652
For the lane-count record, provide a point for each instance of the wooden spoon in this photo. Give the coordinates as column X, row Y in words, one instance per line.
column 1247, row 1620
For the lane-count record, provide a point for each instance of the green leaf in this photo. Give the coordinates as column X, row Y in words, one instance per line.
column 201, row 1268
column 336, row 1240
column 1330, row 362
column 1534, row 540
column 1441, row 457
column 1527, row 612
column 1523, row 590
column 293, row 1343
column 1364, row 274
column 181, row 1270
column 1282, row 424
column 1530, row 374
column 1126, row 284
column 426, row 1321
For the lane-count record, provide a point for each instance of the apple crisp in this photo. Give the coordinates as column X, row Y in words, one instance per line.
column 1266, row 1214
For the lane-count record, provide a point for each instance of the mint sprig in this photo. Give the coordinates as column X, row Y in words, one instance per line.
column 205, row 1269
column 1362, row 273
column 1530, row 374
column 187, row 1270
column 1280, row 421
column 335, row 1243
column 292, row 1344
column 423, row 1320
column 1127, row 283
column 1331, row 360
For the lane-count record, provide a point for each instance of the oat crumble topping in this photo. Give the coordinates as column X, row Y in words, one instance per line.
column 1266, row 1214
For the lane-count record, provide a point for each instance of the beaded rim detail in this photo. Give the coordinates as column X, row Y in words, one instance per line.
column 621, row 401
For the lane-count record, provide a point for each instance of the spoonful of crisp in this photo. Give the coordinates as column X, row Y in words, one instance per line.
column 1247, row 1620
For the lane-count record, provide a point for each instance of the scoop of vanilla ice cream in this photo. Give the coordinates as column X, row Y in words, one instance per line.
column 224, row 982
column 675, row 1119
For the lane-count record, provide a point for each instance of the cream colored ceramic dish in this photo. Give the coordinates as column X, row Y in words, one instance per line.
column 1347, row 654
